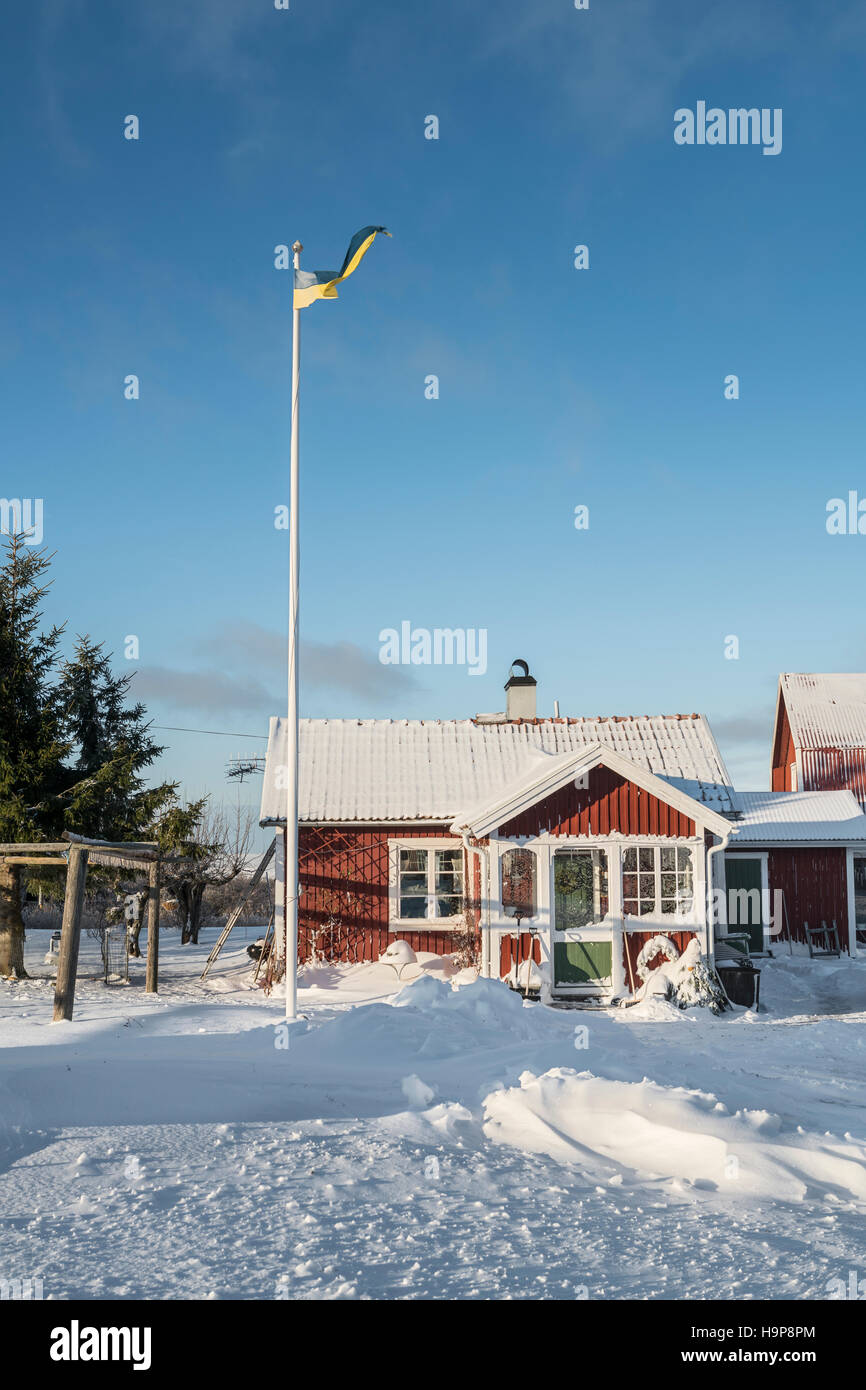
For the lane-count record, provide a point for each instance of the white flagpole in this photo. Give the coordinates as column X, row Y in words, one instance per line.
column 292, row 883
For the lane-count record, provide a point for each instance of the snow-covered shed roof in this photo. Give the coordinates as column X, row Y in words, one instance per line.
column 825, row 711
column 429, row 770
column 798, row 817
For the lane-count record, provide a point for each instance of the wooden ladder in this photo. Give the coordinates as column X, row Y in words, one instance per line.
column 253, row 883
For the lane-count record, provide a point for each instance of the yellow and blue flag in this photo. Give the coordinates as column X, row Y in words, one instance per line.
column 322, row 284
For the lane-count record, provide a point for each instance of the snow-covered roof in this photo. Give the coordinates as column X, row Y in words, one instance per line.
column 773, row 817
column 430, row 770
column 826, row 711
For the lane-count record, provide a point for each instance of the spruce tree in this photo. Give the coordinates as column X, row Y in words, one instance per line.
column 111, row 747
column 72, row 752
column 32, row 746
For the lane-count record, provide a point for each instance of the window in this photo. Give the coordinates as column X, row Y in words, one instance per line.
column 518, row 883
column 657, row 879
column 429, row 883
column 579, row 888
column 860, row 893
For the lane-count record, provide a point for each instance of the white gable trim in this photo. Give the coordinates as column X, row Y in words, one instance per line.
column 524, row 793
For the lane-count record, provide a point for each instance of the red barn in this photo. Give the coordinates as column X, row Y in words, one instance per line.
column 799, row 851
column 819, row 738
column 819, row 744
column 575, row 840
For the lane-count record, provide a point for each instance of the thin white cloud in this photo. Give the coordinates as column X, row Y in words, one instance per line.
column 245, row 673
column 748, row 729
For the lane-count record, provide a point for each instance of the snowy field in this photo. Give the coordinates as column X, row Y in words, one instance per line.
column 435, row 1139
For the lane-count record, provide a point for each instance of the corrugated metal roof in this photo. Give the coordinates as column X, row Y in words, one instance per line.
column 399, row 770
column 826, row 711
column 771, row 817
column 827, row 715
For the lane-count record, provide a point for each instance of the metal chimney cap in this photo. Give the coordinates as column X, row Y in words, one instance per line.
column 525, row 679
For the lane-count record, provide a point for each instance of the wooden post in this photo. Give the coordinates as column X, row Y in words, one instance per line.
column 152, row 974
column 67, row 964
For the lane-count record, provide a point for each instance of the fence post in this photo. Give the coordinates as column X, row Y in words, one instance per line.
column 153, row 884
column 70, row 933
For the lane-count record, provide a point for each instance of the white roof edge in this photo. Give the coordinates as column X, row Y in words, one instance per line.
column 771, row 841
column 526, row 792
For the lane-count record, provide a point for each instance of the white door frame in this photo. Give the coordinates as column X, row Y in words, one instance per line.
column 852, row 907
column 764, row 857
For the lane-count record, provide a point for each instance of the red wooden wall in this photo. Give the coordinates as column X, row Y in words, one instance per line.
column 344, row 874
column 634, row 942
column 609, row 804
column 835, row 769
column 815, row 885
column 513, row 950
column 784, row 756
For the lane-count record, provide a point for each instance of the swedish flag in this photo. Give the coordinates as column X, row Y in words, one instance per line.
column 322, row 284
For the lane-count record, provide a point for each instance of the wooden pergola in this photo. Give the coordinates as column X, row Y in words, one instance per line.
column 75, row 853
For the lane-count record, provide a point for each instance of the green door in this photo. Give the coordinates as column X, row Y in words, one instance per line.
column 744, row 881
column 582, row 962
column 580, row 904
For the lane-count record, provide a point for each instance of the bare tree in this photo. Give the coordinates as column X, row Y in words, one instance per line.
column 216, row 850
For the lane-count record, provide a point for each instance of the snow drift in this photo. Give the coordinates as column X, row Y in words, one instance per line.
column 670, row 1132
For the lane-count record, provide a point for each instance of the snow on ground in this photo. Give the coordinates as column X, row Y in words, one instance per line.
column 430, row 1138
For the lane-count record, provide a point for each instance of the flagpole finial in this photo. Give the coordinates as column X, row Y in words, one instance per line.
column 297, row 246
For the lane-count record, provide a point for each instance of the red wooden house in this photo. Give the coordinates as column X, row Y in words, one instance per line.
column 575, row 840
column 819, row 744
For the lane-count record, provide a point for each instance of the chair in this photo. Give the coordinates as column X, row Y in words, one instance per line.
column 825, row 938
column 739, row 942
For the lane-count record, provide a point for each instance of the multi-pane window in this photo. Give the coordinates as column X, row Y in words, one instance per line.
column 657, row 879
column 518, row 883
column 430, row 883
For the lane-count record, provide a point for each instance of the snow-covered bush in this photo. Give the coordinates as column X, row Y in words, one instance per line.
column 687, row 980
column 696, row 984
column 657, row 945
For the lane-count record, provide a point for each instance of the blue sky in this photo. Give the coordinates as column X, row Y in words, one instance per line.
column 558, row 387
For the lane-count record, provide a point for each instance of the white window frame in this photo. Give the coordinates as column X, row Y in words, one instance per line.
column 395, row 921
column 632, row 920
column 850, row 856
column 500, row 860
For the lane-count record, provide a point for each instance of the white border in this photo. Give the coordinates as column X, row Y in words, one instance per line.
column 764, row 857
column 426, row 842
